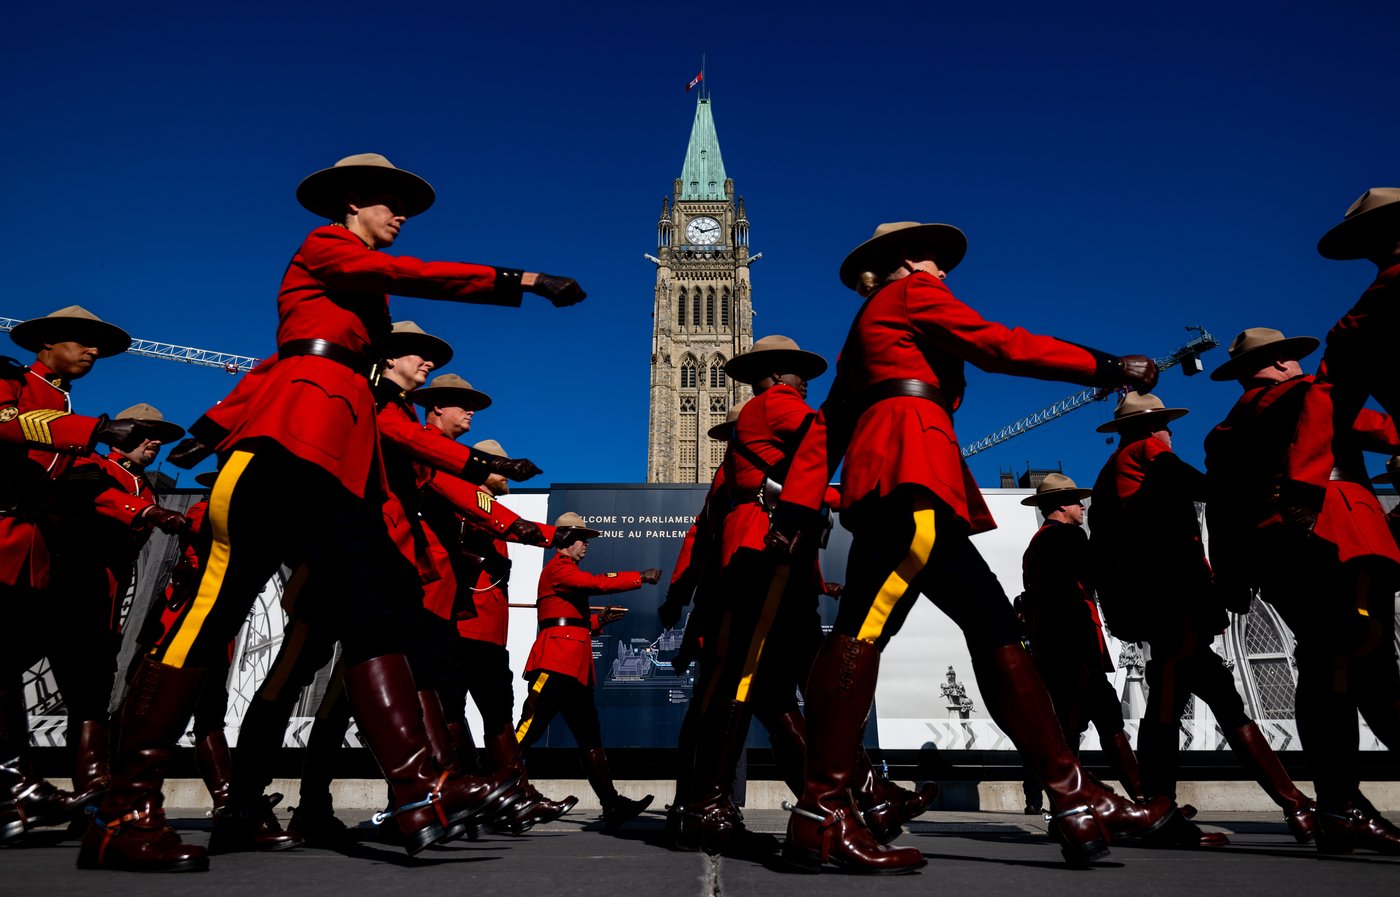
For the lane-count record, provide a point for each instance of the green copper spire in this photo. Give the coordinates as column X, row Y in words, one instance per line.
column 702, row 175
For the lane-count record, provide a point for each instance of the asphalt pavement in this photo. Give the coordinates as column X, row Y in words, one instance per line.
column 968, row 853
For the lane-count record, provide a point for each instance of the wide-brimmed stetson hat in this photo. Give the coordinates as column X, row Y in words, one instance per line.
column 207, row 479
column 723, row 431
column 1055, row 490
column 947, row 245
column 490, row 447
column 1255, row 347
column 75, row 324
column 163, row 430
column 408, row 338
column 1392, row 467
column 323, row 193
column 449, row 390
column 1139, row 409
column 1370, row 225
column 570, row 520
column 775, row 354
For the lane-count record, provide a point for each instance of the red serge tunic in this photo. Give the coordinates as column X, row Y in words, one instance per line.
column 565, row 591
column 39, row 437
column 764, row 437
column 1061, row 615
column 335, row 289
column 914, row 328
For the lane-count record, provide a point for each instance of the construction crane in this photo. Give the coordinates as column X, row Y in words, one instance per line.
column 1188, row 356
column 225, row 361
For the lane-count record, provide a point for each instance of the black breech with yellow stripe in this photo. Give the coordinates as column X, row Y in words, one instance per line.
column 552, row 693
column 268, row 508
column 909, row 542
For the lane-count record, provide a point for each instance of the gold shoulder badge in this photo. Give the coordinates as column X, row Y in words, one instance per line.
column 612, row 576
column 8, row 413
column 484, row 501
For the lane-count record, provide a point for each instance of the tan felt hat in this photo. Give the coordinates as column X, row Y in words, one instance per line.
column 408, row 338
column 883, row 251
column 775, row 355
column 1372, row 224
column 1055, row 490
column 490, row 447
column 1135, row 408
column 449, row 390
column 723, row 431
column 1255, row 347
column 75, row 324
column 167, row 432
column 570, row 520
column 323, row 192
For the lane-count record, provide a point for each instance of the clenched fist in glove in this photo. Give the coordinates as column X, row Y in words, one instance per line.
column 189, row 452
column 1139, row 372
column 481, row 465
column 560, row 291
column 126, row 432
column 651, row 576
column 165, row 520
column 525, row 531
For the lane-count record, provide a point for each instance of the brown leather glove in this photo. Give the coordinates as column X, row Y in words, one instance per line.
column 525, row 531
column 125, row 432
column 189, row 452
column 611, row 615
column 165, row 520
column 1139, row 372
column 560, row 291
column 651, row 576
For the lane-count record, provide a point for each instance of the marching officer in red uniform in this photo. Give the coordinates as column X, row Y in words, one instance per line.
column 1158, row 587
column 310, row 425
column 1334, row 586
column 41, row 441
column 1064, row 629
column 911, row 504
column 560, row 666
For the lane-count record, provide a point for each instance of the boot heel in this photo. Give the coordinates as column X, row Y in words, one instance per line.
column 423, row 838
column 1082, row 839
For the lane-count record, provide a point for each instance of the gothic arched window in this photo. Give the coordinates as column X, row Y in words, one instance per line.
column 710, row 308
column 688, row 378
column 695, row 308
column 717, row 377
column 680, row 309
column 724, row 309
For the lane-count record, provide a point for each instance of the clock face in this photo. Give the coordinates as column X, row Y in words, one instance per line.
column 702, row 231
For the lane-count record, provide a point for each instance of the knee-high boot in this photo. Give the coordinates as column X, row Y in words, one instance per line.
column 825, row 826
column 313, row 818
column 215, row 763
column 885, row 806
column 128, row 830
column 685, row 773
column 1259, row 758
column 429, row 805
column 27, row 800
column 1086, row 815
column 1124, row 763
column 464, row 745
column 92, row 768
column 710, row 821
column 246, row 819
column 504, row 752
column 787, row 734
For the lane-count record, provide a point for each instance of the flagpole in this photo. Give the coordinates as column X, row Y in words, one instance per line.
column 704, row 88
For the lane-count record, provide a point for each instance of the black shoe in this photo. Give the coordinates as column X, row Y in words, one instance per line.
column 621, row 810
column 240, row 827
column 318, row 826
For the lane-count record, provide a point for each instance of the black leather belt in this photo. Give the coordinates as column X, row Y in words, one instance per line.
column 903, row 389
column 551, row 622
column 325, row 349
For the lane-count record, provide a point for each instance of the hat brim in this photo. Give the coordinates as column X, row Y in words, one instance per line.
column 450, row 397
column 109, row 339
column 323, row 192
column 164, row 430
column 752, row 366
column 1362, row 235
column 948, row 245
column 722, row 431
column 424, row 345
column 1161, row 415
column 1063, row 496
column 207, row 479
column 582, row 531
column 1292, row 348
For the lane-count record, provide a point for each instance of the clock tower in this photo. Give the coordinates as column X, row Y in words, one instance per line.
column 702, row 314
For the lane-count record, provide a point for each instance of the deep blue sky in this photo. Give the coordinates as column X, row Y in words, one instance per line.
column 1120, row 172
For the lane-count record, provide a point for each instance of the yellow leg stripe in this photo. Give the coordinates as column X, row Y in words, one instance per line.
column 213, row 580
column 760, row 633
column 897, row 583
column 535, row 689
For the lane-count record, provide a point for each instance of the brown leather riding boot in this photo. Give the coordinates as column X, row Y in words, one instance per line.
column 1124, row 764
column 709, row 820
column 1085, row 815
column 617, row 809
column 883, row 805
column 1355, row 825
column 825, row 826
column 430, row 806
column 1260, row 761
column 128, row 830
column 215, row 764
column 27, row 800
column 465, row 747
column 245, row 817
column 504, row 752
column 92, row 767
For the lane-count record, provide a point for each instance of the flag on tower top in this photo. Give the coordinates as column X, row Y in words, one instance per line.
column 700, row 76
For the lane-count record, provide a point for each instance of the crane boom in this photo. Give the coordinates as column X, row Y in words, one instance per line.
column 1202, row 342
column 146, row 348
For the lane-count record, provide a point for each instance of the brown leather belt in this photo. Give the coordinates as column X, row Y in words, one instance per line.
column 325, row 349
column 903, row 389
column 551, row 622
